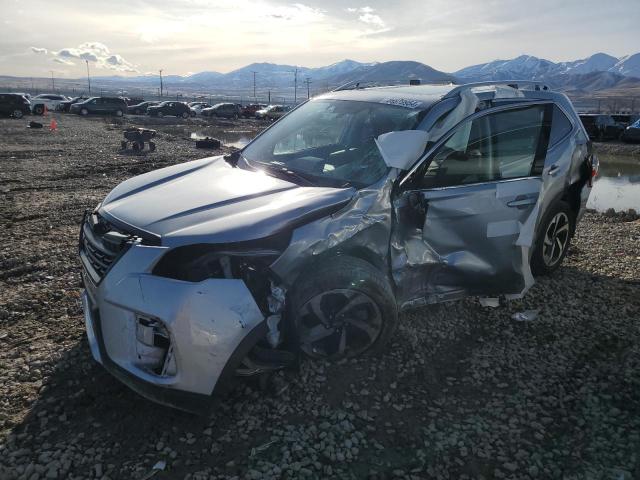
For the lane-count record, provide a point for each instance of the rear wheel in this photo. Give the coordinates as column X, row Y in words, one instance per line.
column 342, row 309
column 160, row 114
column 38, row 109
column 185, row 115
column 553, row 239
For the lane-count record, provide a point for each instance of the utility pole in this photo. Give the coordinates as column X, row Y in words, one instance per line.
column 53, row 83
column 88, row 77
column 295, row 86
column 308, row 82
column 160, row 83
column 254, row 84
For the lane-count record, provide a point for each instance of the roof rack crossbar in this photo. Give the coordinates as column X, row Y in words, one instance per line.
column 507, row 83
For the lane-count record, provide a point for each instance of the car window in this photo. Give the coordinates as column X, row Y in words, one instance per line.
column 332, row 141
column 497, row 146
column 561, row 126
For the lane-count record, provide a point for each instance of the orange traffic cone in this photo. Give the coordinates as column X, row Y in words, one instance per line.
column 53, row 126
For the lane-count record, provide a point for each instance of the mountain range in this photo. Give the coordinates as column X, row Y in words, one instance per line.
column 595, row 73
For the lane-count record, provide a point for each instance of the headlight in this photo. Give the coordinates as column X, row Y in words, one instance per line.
column 247, row 261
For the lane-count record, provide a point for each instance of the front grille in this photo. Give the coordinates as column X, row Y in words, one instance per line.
column 100, row 245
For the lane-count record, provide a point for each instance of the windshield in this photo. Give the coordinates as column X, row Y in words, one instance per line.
column 331, row 142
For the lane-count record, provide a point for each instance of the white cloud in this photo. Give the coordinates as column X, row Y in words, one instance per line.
column 94, row 52
column 367, row 15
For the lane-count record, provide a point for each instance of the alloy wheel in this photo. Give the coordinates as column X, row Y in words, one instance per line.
column 338, row 323
column 556, row 239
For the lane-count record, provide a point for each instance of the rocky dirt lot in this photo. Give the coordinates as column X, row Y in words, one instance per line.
column 463, row 391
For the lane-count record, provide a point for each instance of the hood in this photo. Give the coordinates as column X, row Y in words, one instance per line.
column 209, row 201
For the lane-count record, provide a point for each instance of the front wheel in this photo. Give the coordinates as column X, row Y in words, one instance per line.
column 38, row 109
column 84, row 112
column 160, row 114
column 119, row 113
column 554, row 237
column 185, row 115
column 17, row 114
column 342, row 309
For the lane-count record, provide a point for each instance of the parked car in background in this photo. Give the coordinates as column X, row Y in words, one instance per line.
column 66, row 105
column 601, row 127
column 101, row 106
column 357, row 205
column 631, row 134
column 272, row 112
column 249, row 111
column 15, row 105
column 140, row 108
column 624, row 119
column 199, row 106
column 48, row 100
column 223, row 110
column 175, row 109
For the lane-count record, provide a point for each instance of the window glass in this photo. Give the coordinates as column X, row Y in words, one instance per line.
column 332, row 141
column 502, row 145
column 561, row 126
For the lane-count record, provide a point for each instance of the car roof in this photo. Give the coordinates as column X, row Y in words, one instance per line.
column 416, row 96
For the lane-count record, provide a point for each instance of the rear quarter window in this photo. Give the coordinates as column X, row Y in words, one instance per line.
column 561, row 126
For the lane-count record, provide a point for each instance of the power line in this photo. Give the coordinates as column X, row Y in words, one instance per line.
column 254, row 84
column 308, row 82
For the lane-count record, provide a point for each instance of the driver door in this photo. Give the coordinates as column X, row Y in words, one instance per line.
column 459, row 215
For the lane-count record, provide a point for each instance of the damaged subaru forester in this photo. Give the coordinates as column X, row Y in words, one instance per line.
column 356, row 205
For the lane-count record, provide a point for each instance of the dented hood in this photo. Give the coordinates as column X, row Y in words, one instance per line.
column 210, row 201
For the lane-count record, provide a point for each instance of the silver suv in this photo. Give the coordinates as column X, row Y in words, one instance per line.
column 356, row 205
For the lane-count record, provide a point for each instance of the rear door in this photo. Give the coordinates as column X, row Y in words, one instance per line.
column 459, row 214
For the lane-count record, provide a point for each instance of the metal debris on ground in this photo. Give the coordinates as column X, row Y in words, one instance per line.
column 160, row 465
column 525, row 316
column 207, row 142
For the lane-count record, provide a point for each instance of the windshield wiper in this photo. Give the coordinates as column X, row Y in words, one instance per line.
column 281, row 170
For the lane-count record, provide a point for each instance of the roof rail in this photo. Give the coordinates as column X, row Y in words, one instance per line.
column 507, row 83
column 361, row 84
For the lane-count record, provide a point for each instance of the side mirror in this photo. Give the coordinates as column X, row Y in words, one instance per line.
column 403, row 148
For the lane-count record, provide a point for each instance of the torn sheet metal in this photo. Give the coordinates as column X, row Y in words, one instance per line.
column 365, row 222
column 464, row 244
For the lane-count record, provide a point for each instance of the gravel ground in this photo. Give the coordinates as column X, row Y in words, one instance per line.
column 462, row 392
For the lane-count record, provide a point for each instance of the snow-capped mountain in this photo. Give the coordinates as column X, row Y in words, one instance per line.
column 628, row 66
column 534, row 68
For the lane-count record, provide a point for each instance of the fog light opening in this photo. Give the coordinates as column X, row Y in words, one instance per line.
column 153, row 347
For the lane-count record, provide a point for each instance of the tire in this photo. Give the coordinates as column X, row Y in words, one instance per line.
column 38, row 109
column 235, row 116
column 357, row 306
column 17, row 114
column 152, row 147
column 556, row 229
column 84, row 112
column 119, row 113
column 160, row 114
column 185, row 115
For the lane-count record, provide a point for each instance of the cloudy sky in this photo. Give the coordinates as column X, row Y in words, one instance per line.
column 181, row 36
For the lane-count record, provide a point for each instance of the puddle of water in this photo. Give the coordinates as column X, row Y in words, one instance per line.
column 617, row 185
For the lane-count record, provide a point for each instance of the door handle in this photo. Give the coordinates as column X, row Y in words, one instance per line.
column 522, row 201
column 553, row 169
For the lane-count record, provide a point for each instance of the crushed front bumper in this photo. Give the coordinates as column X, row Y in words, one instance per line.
column 206, row 329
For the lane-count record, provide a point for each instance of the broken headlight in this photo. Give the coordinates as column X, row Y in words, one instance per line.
column 248, row 261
